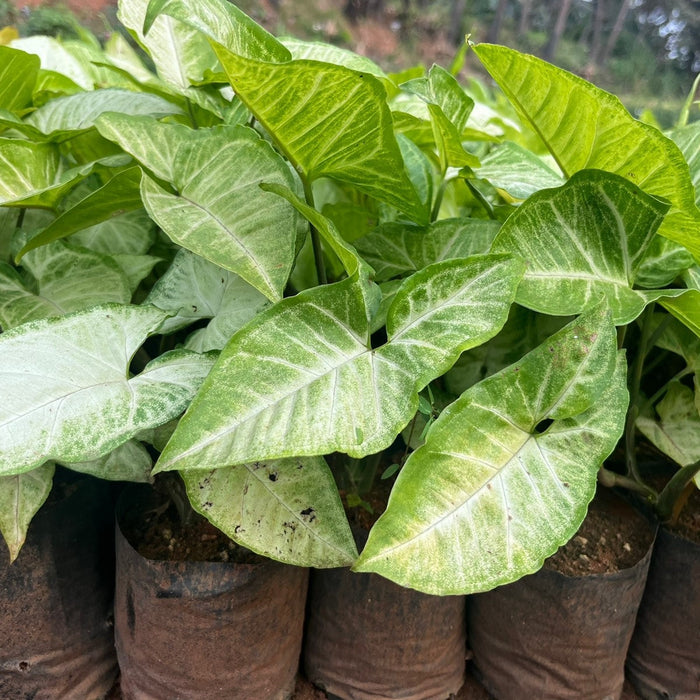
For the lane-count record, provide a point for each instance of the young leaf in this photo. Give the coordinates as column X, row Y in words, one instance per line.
column 686, row 308
column 586, row 127
column 687, row 138
column 329, row 121
column 491, row 494
column 302, row 379
column 288, row 510
column 28, row 169
column 21, row 496
column 193, row 288
column 584, row 241
column 218, row 211
column 129, row 461
column 66, row 391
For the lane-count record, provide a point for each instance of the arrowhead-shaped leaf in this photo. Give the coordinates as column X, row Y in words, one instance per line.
column 584, row 241
column 491, row 494
column 219, row 210
column 65, row 278
column 193, row 288
column 129, row 461
column 585, row 127
column 329, row 121
column 687, row 138
column 27, row 169
column 287, row 510
column 302, row 378
column 21, row 496
column 66, row 391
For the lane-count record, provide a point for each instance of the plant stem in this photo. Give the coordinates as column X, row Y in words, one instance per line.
column 315, row 237
column 190, row 113
column 611, row 479
column 482, row 200
column 676, row 377
column 671, row 493
column 438, row 199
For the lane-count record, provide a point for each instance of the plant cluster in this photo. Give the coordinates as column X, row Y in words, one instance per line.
column 306, row 255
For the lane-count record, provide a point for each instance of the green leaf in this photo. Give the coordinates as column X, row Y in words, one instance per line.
column 64, row 279
column 302, row 378
column 129, row 461
column 28, row 169
column 584, row 241
column 686, row 308
column 224, row 23
column 328, row 53
column 54, row 57
column 516, row 170
column 449, row 107
column 62, row 117
column 676, row 432
column 687, row 138
column 18, row 73
column 663, row 262
column 329, row 121
column 288, row 510
column 218, row 210
column 66, row 391
column 193, row 288
column 491, row 494
column 181, row 54
column 395, row 249
column 117, row 196
column 21, row 496
column 585, row 127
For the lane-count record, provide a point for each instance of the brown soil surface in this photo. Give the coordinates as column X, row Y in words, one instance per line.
column 688, row 524
column 612, row 537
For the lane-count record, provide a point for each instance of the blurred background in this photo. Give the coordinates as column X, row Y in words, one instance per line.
column 647, row 52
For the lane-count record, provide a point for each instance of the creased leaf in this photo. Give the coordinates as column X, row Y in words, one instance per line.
column 218, row 210
column 493, row 492
column 18, row 73
column 128, row 462
column 66, row 392
column 288, row 510
column 302, row 379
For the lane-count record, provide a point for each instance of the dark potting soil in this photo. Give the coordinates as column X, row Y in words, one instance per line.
column 159, row 534
column 612, row 537
column 688, row 524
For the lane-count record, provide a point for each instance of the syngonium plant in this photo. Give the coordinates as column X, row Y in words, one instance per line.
column 339, row 241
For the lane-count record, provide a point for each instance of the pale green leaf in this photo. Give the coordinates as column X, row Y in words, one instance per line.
column 224, row 23
column 218, row 210
column 132, row 233
column 288, row 510
column 64, row 278
column 664, row 261
column 491, row 494
column 678, row 338
column 303, row 379
column 329, row 53
column 54, row 57
column 193, row 289
column 676, row 432
column 67, row 395
column 27, row 169
column 516, row 170
column 129, row 461
column 117, row 196
column 584, row 241
column 18, row 73
column 135, row 267
column 585, row 127
column 420, row 169
column 329, row 121
column 396, row 249
column 21, row 496
column 79, row 112
column 181, row 54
